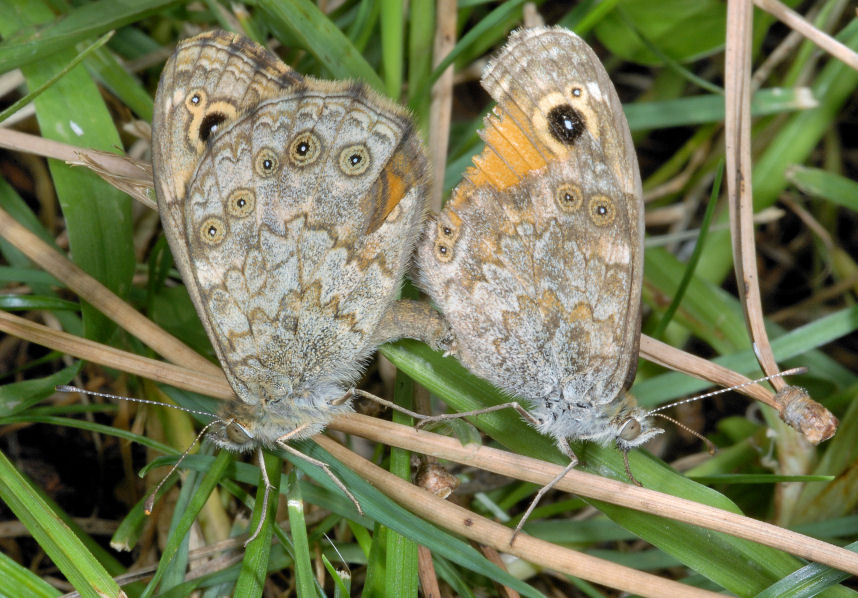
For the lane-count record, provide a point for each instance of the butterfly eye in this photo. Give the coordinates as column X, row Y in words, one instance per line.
column 213, row 231
column 602, row 210
column 630, row 429
column 266, row 163
column 565, row 124
column 240, row 203
column 354, row 160
column 304, row 149
column 568, row 197
column 237, row 433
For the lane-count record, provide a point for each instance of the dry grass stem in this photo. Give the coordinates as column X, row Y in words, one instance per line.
column 485, row 531
column 102, row 298
column 795, row 21
column 584, row 484
column 442, row 100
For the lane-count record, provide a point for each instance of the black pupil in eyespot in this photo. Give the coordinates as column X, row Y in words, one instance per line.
column 210, row 124
column 447, row 231
column 442, row 250
column 567, row 197
column 212, row 231
column 267, row 164
column 355, row 159
column 303, row 148
column 240, row 202
column 602, row 210
column 565, row 124
column 195, row 99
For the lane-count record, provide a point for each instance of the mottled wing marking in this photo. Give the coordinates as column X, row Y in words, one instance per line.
column 291, row 206
column 536, row 260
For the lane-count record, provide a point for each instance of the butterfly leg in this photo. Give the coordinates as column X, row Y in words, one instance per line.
column 564, row 447
column 423, row 420
column 525, row 415
column 269, row 488
column 281, row 442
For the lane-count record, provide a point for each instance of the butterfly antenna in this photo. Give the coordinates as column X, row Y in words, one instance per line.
column 790, row 372
column 150, row 501
column 105, row 395
column 710, row 447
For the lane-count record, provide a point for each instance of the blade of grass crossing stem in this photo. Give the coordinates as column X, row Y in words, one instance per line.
column 475, row 35
column 254, row 566
column 305, row 581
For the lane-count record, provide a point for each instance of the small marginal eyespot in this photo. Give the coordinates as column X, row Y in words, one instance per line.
column 602, row 210
column 210, row 124
column 565, row 124
column 265, row 164
column 213, row 231
column 443, row 251
column 195, row 100
column 447, row 233
column 568, row 197
column 240, row 203
column 577, row 92
column 354, row 160
column 304, row 149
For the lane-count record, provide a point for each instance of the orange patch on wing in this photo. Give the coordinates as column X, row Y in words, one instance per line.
column 510, row 152
column 391, row 188
column 396, row 188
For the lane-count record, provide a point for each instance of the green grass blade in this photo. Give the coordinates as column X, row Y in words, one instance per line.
column 60, row 543
column 42, row 87
column 306, row 581
column 27, row 45
column 820, row 183
column 319, row 36
column 254, row 566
